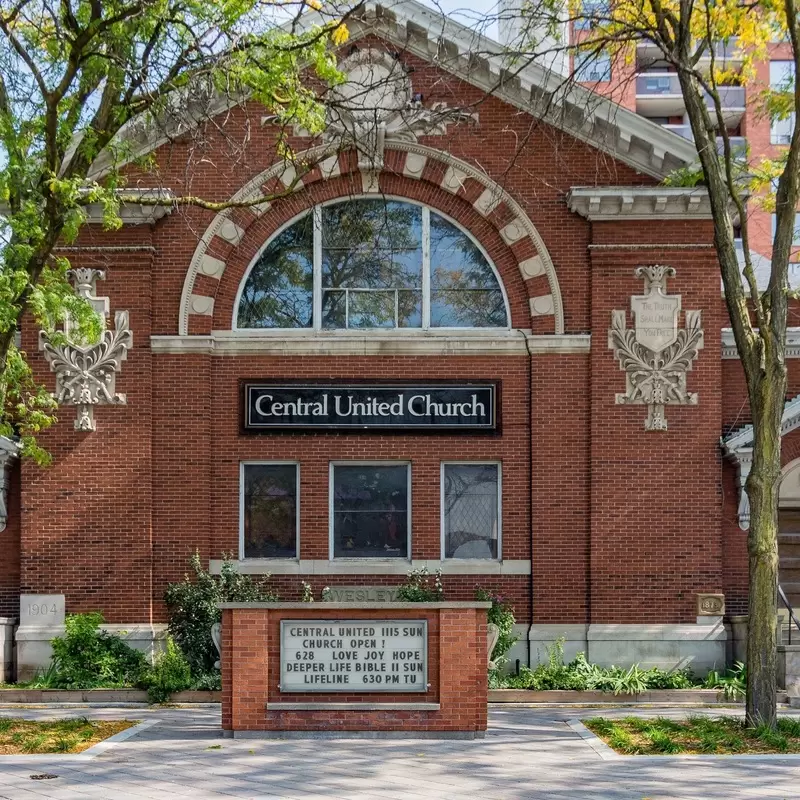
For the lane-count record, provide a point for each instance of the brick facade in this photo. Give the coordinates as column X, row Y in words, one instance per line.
column 616, row 525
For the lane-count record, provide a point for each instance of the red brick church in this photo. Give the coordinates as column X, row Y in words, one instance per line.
column 475, row 333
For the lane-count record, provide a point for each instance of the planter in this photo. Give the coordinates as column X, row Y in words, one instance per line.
column 99, row 696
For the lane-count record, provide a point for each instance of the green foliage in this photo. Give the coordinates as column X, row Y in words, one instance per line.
column 732, row 683
column 696, row 734
column 419, row 589
column 192, row 607
column 580, row 675
column 169, row 673
column 686, row 177
column 72, row 76
column 306, row 592
column 207, row 682
column 501, row 614
column 88, row 658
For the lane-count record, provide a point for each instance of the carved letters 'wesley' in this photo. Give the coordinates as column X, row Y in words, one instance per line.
column 655, row 354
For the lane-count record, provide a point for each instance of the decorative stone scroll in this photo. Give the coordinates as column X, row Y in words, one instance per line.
column 376, row 102
column 655, row 354
column 86, row 374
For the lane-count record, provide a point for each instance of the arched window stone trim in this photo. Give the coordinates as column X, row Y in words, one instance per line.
column 518, row 232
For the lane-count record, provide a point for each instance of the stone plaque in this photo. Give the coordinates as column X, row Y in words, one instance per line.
column 361, row 594
column 37, row 610
column 710, row 605
column 656, row 319
column 358, row 655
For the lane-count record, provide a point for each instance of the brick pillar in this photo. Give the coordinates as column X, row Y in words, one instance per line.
column 655, row 533
column 248, row 672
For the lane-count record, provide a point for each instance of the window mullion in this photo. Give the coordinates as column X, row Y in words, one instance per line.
column 317, row 277
column 426, row 268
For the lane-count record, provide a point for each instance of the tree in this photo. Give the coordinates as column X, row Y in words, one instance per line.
column 75, row 77
column 688, row 35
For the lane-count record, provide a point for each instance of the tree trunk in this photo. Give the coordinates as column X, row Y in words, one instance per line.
column 763, row 485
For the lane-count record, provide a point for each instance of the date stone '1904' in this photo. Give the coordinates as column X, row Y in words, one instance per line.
column 360, row 655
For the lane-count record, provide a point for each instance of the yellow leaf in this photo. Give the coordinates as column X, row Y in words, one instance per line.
column 340, row 34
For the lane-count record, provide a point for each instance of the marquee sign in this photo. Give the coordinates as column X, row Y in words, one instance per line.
column 430, row 406
column 360, row 655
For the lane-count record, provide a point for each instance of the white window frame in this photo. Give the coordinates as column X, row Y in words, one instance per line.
column 316, row 327
column 592, row 60
column 796, row 233
column 269, row 463
column 361, row 463
column 776, row 134
column 443, row 542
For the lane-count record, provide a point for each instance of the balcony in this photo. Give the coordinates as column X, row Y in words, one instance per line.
column 725, row 55
column 658, row 94
column 738, row 143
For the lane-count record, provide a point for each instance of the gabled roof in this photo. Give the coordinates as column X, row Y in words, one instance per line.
column 484, row 63
column 742, row 439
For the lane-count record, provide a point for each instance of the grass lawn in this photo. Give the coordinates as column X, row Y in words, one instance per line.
column 724, row 735
column 59, row 736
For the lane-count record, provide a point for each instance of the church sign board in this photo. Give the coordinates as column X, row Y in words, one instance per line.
column 433, row 406
column 357, row 655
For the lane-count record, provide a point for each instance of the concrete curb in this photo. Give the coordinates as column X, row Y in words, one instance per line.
column 669, row 697
column 87, row 755
column 104, row 696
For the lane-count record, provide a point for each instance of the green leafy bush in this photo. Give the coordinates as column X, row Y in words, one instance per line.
column 169, row 673
column 580, row 675
column 207, row 682
column 418, row 587
column 192, row 607
column 502, row 615
column 88, row 658
column 732, row 684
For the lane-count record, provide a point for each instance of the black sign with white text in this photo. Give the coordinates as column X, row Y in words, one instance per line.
column 430, row 406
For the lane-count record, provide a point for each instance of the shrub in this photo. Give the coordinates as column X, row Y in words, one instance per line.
column 88, row 658
column 732, row 684
column 502, row 615
column 580, row 675
column 169, row 673
column 418, row 588
column 192, row 607
column 207, row 682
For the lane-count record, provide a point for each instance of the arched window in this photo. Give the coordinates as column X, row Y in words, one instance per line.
column 372, row 263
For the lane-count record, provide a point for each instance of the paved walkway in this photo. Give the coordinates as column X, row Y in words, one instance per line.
column 528, row 754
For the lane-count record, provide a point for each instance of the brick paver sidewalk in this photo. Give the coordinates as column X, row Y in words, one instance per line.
column 528, row 754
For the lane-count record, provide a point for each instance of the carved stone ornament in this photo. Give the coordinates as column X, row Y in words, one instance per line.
column 376, row 102
column 9, row 453
column 655, row 354
column 86, row 374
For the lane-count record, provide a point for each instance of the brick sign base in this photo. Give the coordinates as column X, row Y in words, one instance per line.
column 452, row 703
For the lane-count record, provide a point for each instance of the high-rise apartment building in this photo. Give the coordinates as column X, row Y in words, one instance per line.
column 648, row 85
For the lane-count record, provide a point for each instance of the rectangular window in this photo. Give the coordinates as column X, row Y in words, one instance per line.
column 370, row 506
column 796, row 237
column 471, row 510
column 269, row 510
column 592, row 13
column 592, row 67
column 781, row 77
